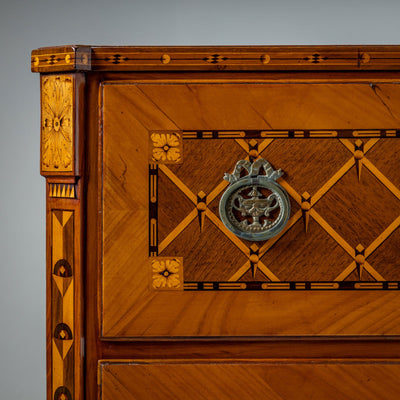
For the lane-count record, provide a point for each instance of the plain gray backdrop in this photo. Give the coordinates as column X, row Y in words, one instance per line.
column 26, row 25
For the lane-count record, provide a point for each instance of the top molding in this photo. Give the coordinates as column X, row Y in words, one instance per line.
column 215, row 58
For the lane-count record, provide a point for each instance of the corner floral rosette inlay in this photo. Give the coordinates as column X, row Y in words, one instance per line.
column 166, row 147
column 167, row 273
column 57, row 125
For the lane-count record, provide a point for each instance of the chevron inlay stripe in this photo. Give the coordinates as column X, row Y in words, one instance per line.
column 62, row 258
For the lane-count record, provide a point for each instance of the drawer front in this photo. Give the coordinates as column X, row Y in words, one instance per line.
column 247, row 380
column 172, row 268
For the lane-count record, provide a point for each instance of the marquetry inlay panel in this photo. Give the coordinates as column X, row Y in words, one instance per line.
column 167, row 273
column 154, row 210
column 148, row 151
column 57, row 123
column 68, row 58
column 62, row 190
column 62, row 300
column 264, row 58
column 336, row 220
column 166, row 147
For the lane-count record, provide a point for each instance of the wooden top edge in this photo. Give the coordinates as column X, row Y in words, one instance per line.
column 222, row 47
column 216, row 58
column 61, row 59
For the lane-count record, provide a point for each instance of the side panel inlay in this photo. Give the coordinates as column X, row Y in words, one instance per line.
column 62, row 190
column 57, row 123
column 62, row 300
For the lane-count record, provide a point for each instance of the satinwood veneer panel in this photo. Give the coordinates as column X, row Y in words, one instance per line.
column 166, row 147
column 289, row 380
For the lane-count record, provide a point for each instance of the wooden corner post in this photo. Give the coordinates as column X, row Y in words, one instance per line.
column 61, row 163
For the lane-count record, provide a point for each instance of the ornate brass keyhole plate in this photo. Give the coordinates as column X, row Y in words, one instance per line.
column 254, row 206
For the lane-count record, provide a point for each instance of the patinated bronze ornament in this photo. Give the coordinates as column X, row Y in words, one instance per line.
column 254, row 207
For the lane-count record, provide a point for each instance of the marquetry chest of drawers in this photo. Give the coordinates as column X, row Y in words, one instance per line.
column 222, row 222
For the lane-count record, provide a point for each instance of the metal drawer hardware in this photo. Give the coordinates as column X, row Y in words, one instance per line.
column 254, row 207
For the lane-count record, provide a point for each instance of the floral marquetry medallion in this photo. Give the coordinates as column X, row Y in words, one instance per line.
column 167, row 273
column 57, row 123
column 166, row 147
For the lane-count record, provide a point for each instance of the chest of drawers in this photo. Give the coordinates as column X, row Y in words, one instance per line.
column 165, row 280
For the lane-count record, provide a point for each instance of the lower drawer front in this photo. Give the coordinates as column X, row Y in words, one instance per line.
column 248, row 380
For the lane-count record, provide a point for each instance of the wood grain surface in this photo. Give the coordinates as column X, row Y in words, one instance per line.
column 248, row 380
column 61, row 163
column 215, row 58
column 132, row 111
column 305, row 109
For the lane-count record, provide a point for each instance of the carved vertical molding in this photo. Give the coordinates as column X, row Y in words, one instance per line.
column 62, row 124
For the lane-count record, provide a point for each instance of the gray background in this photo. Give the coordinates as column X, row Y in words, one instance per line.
column 26, row 25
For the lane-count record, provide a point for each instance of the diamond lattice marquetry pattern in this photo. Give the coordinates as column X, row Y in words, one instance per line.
column 62, row 292
column 339, row 228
